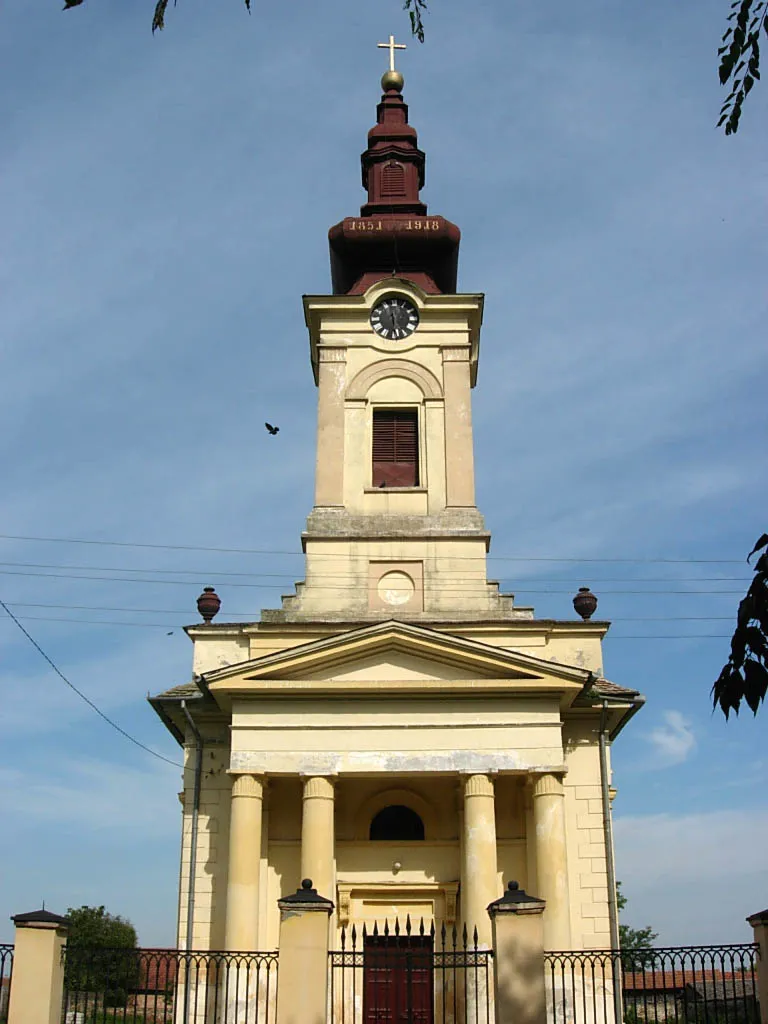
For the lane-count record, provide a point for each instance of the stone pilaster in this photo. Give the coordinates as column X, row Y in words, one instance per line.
column 478, row 873
column 459, row 454
column 241, row 931
column 552, row 859
column 329, row 468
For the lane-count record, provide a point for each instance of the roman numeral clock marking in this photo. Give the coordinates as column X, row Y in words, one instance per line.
column 394, row 318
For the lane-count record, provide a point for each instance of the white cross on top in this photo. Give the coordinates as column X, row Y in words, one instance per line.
column 391, row 46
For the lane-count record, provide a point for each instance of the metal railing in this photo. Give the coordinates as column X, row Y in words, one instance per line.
column 672, row 985
column 168, row 986
column 416, row 975
column 6, row 968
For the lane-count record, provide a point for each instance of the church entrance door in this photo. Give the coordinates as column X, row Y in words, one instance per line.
column 398, row 980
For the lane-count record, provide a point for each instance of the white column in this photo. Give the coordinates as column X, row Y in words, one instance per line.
column 241, row 931
column 317, row 834
column 478, row 875
column 552, row 859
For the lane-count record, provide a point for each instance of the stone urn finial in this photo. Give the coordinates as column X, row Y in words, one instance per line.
column 208, row 604
column 585, row 603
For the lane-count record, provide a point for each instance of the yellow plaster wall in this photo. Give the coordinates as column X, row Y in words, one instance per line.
column 212, row 848
column 587, row 873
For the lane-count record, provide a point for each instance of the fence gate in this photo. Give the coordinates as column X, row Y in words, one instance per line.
column 405, row 975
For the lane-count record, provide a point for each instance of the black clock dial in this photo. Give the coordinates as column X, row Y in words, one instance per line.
column 394, row 318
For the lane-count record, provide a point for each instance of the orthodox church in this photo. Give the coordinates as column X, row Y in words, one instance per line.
column 399, row 731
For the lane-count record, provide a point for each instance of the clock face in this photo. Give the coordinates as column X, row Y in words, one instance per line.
column 394, row 318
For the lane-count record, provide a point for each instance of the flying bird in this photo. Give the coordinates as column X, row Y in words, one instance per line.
column 71, row 3
column 271, row 429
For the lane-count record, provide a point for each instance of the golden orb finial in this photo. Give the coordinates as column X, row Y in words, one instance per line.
column 392, row 80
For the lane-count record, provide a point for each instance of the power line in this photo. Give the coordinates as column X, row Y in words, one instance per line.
column 98, row 622
column 83, row 697
column 207, row 573
column 185, row 611
column 161, row 625
column 481, row 587
column 276, row 551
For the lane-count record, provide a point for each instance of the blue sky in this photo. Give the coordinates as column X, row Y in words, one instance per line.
column 165, row 203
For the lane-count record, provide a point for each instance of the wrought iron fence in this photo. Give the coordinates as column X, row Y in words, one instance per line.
column 168, row 986
column 6, row 966
column 675, row 985
column 415, row 975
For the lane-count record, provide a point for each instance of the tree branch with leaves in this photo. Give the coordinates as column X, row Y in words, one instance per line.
column 740, row 57
column 745, row 675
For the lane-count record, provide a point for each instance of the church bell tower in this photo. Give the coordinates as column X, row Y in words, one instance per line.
column 398, row 731
column 395, row 531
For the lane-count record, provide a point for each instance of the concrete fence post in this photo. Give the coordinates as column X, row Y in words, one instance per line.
column 759, row 923
column 518, row 957
column 302, row 972
column 37, row 982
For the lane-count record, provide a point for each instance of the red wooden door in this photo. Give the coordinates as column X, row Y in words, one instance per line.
column 398, row 983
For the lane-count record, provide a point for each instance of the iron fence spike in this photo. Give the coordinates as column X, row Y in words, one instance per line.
column 397, row 926
column 386, row 926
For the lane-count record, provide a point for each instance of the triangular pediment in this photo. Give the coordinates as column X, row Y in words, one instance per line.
column 399, row 656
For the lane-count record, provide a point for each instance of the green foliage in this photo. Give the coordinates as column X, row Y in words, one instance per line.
column 745, row 675
column 415, row 10
column 740, row 59
column 95, row 926
column 100, row 955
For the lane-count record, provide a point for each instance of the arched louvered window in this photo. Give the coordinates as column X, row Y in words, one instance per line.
column 395, row 448
column 397, row 822
column 393, row 180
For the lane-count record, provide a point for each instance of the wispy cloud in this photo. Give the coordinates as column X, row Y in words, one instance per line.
column 673, row 742
column 91, row 794
column 694, row 877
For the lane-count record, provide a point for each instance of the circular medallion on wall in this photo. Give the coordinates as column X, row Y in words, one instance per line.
column 396, row 587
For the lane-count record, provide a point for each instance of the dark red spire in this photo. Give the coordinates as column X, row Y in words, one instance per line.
column 393, row 165
column 393, row 233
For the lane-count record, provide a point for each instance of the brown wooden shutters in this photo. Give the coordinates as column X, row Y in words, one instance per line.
column 395, row 448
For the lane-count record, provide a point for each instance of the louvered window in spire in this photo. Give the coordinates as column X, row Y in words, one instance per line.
column 393, row 180
column 395, row 448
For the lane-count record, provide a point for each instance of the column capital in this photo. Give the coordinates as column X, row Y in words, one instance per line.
column 331, row 354
column 547, row 784
column 478, row 785
column 318, row 786
column 455, row 353
column 248, row 784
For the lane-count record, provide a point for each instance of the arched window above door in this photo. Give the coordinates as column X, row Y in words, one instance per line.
column 396, row 822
